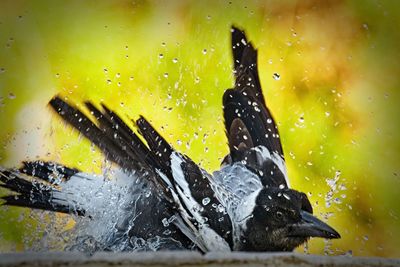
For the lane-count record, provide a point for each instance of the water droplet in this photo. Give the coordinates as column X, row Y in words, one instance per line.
column 327, row 113
column 342, row 187
column 166, row 74
column 137, row 243
column 174, row 60
column 269, row 120
column 11, row 96
column 204, row 51
column 337, row 200
column 160, row 56
column 167, row 232
column 165, row 222
column 276, row 76
column 205, row 201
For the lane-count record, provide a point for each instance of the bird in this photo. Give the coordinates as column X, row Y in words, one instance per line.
column 152, row 197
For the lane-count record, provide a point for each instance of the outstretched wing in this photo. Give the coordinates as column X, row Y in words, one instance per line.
column 251, row 130
column 178, row 179
column 50, row 186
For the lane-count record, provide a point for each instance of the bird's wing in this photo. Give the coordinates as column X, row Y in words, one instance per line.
column 118, row 142
column 124, row 147
column 192, row 190
column 156, row 161
column 251, row 130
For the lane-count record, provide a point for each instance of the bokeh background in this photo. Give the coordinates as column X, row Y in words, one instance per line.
column 336, row 99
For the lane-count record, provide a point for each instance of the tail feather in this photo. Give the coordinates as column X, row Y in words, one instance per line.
column 157, row 144
column 46, row 171
column 113, row 126
column 114, row 138
column 34, row 194
column 84, row 125
column 115, row 129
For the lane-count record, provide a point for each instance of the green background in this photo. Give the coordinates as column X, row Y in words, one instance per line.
column 336, row 102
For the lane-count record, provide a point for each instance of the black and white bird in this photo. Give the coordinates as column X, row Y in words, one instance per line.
column 153, row 197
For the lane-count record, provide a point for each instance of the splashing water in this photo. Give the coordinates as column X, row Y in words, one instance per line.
column 112, row 202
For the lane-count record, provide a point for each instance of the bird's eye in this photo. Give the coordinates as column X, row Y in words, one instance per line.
column 279, row 215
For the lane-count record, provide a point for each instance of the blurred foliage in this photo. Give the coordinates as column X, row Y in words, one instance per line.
column 336, row 101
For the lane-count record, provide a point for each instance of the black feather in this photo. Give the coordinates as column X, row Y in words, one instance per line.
column 157, row 144
column 196, row 179
column 248, row 121
column 245, row 63
column 33, row 194
column 85, row 126
column 45, row 170
column 254, row 118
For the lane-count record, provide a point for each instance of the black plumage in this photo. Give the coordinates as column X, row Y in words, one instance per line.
column 247, row 205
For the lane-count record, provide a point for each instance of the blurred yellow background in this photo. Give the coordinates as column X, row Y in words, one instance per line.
column 336, row 101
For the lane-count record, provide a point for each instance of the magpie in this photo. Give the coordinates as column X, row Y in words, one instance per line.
column 152, row 197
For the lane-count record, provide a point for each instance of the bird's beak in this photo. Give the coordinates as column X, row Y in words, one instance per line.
column 311, row 226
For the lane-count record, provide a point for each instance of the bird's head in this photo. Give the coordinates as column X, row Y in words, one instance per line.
column 282, row 220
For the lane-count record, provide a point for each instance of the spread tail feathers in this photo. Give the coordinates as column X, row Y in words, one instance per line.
column 39, row 191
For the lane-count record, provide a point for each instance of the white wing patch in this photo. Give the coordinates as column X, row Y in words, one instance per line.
column 212, row 240
column 183, row 187
column 276, row 159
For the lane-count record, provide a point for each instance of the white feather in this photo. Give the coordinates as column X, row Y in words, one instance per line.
column 212, row 240
column 276, row 159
